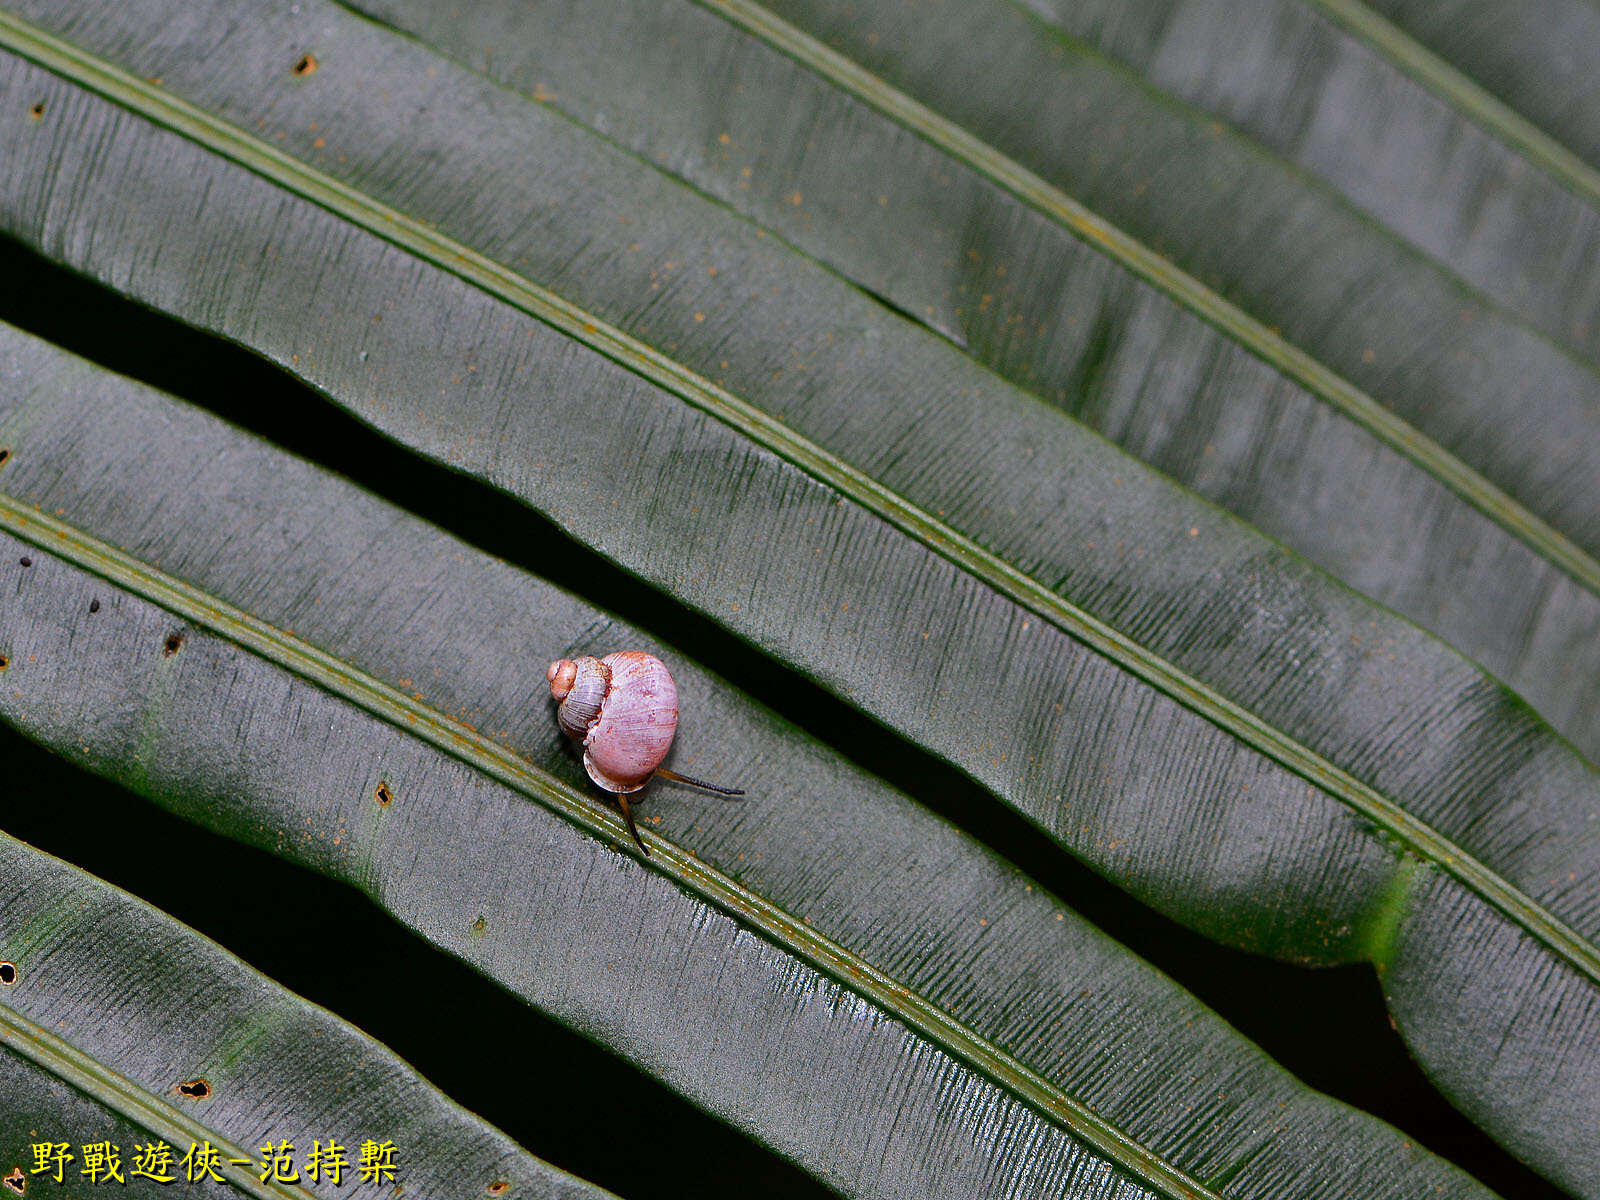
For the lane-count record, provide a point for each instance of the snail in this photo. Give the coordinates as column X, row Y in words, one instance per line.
column 623, row 710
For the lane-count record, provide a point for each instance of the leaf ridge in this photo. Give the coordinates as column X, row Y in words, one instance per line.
column 1465, row 95
column 54, row 536
column 475, row 268
column 1294, row 363
column 128, row 1099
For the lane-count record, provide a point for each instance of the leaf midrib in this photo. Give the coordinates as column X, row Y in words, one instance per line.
column 1188, row 292
column 1465, row 95
column 130, row 1101
column 1459, row 92
column 499, row 281
column 417, row 719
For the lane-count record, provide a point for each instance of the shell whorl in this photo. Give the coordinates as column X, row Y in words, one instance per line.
column 580, row 685
column 623, row 708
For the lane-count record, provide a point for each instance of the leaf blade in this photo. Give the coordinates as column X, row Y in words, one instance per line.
column 436, row 855
column 911, row 704
column 1258, row 457
column 772, row 434
column 1537, row 66
column 56, row 923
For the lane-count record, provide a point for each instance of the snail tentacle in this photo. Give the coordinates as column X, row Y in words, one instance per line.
column 730, row 793
column 627, row 815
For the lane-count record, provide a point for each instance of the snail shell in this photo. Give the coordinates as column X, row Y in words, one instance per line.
column 623, row 708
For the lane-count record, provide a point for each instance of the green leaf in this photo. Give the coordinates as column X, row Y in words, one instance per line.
column 1387, row 184
column 1540, row 57
column 119, row 1025
column 980, row 249
column 973, row 261
column 1183, row 703
column 826, row 965
column 1235, row 411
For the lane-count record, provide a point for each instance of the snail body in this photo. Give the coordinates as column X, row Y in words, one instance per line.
column 623, row 710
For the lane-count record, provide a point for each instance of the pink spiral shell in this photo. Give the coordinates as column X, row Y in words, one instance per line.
column 623, row 708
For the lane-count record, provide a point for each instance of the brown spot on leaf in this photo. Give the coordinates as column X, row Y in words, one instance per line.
column 307, row 65
column 497, row 1187
column 173, row 644
column 37, row 111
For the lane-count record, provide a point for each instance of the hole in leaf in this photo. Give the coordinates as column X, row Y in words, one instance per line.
column 383, row 795
column 306, row 66
column 37, row 110
column 25, row 561
column 172, row 645
column 480, row 926
column 498, row 1186
column 4, row 662
column 8, row 973
column 196, row 1089
column 5, row 453
column 17, row 1181
column 94, row 605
